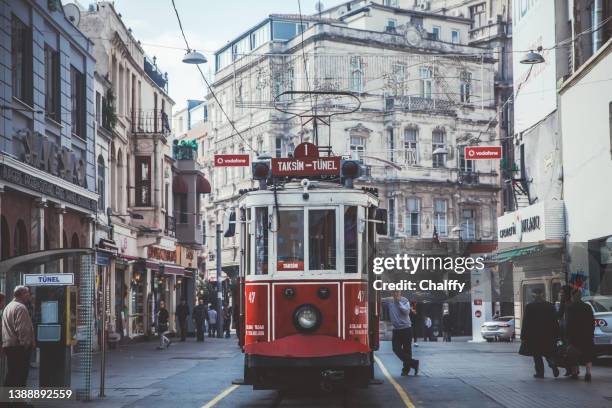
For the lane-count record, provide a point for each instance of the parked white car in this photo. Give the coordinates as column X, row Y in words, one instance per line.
column 498, row 329
column 602, row 312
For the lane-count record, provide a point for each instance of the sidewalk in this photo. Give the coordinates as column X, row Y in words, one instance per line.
column 465, row 374
column 133, row 369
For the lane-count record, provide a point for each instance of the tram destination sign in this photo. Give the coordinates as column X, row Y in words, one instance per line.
column 306, row 166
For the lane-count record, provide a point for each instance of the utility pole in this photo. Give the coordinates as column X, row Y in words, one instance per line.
column 219, row 285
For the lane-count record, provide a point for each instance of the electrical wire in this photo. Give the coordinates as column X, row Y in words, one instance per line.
column 189, row 49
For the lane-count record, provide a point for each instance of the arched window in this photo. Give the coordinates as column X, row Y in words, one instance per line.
column 113, row 178
column 5, row 238
column 119, row 186
column 74, row 241
column 20, row 241
column 101, row 184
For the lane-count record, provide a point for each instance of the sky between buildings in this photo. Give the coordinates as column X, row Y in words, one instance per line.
column 208, row 24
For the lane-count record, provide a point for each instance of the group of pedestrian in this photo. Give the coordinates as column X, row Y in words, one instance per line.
column 563, row 336
column 203, row 316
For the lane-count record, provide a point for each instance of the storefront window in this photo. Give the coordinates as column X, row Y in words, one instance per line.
column 290, row 240
column 322, row 238
column 261, row 241
column 138, row 302
column 350, row 239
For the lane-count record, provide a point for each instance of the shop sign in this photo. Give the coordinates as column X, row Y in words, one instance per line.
column 49, row 279
column 161, row 254
column 231, row 160
column 102, row 258
column 47, row 188
column 483, row 152
column 43, row 153
column 538, row 222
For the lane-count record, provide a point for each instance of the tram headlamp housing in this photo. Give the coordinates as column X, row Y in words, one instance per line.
column 307, row 318
column 261, row 170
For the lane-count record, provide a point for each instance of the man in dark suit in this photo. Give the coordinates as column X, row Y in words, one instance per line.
column 540, row 331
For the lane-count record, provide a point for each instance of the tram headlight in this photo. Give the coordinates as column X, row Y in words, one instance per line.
column 307, row 318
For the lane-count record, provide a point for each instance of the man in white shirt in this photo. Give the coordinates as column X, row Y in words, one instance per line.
column 17, row 338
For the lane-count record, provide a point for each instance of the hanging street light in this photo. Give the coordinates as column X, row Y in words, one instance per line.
column 194, row 57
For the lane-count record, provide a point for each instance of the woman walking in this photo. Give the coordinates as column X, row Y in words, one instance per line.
column 580, row 329
column 162, row 326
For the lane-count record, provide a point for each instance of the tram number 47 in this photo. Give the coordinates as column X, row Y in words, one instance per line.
column 252, row 297
column 361, row 296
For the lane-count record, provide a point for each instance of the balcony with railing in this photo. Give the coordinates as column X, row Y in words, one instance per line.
column 150, row 122
column 411, row 103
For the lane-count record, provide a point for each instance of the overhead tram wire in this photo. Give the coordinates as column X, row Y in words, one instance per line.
column 231, row 122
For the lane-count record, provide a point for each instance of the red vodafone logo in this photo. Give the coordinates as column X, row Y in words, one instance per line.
column 231, row 160
column 483, row 152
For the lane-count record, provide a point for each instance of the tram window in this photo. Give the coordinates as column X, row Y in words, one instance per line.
column 322, row 240
column 261, row 241
column 290, row 240
column 350, row 239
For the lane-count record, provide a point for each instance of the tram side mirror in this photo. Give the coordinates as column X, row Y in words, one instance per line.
column 229, row 224
column 381, row 221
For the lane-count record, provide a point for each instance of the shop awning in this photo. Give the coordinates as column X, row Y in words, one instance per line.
column 508, row 254
column 202, row 185
column 179, row 185
column 169, row 269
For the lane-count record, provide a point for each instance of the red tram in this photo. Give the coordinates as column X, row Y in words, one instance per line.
column 308, row 311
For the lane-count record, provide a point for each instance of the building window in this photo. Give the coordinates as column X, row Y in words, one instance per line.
column 468, row 224
column 21, row 60
column 357, row 145
column 389, row 102
column 399, row 73
column 356, row 75
column 278, row 146
column 455, row 37
column 426, row 81
column 143, row 181
column 285, row 30
column 98, row 108
column 391, row 3
column 435, row 33
column 101, row 184
column 610, row 125
column 391, row 144
column 411, row 145
column 478, row 15
column 77, row 98
column 52, row 81
column 438, row 142
column 465, row 165
column 413, row 217
column 465, row 90
column 391, row 216
column 390, row 25
column 440, row 217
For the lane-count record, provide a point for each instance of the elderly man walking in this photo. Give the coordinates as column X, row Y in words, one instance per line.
column 17, row 338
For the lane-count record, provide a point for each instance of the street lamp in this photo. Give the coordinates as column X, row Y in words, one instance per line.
column 532, row 57
column 194, row 57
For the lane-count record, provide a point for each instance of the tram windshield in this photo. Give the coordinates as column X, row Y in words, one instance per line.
column 320, row 239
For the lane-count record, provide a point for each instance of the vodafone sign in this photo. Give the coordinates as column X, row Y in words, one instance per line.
column 483, row 152
column 231, row 160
